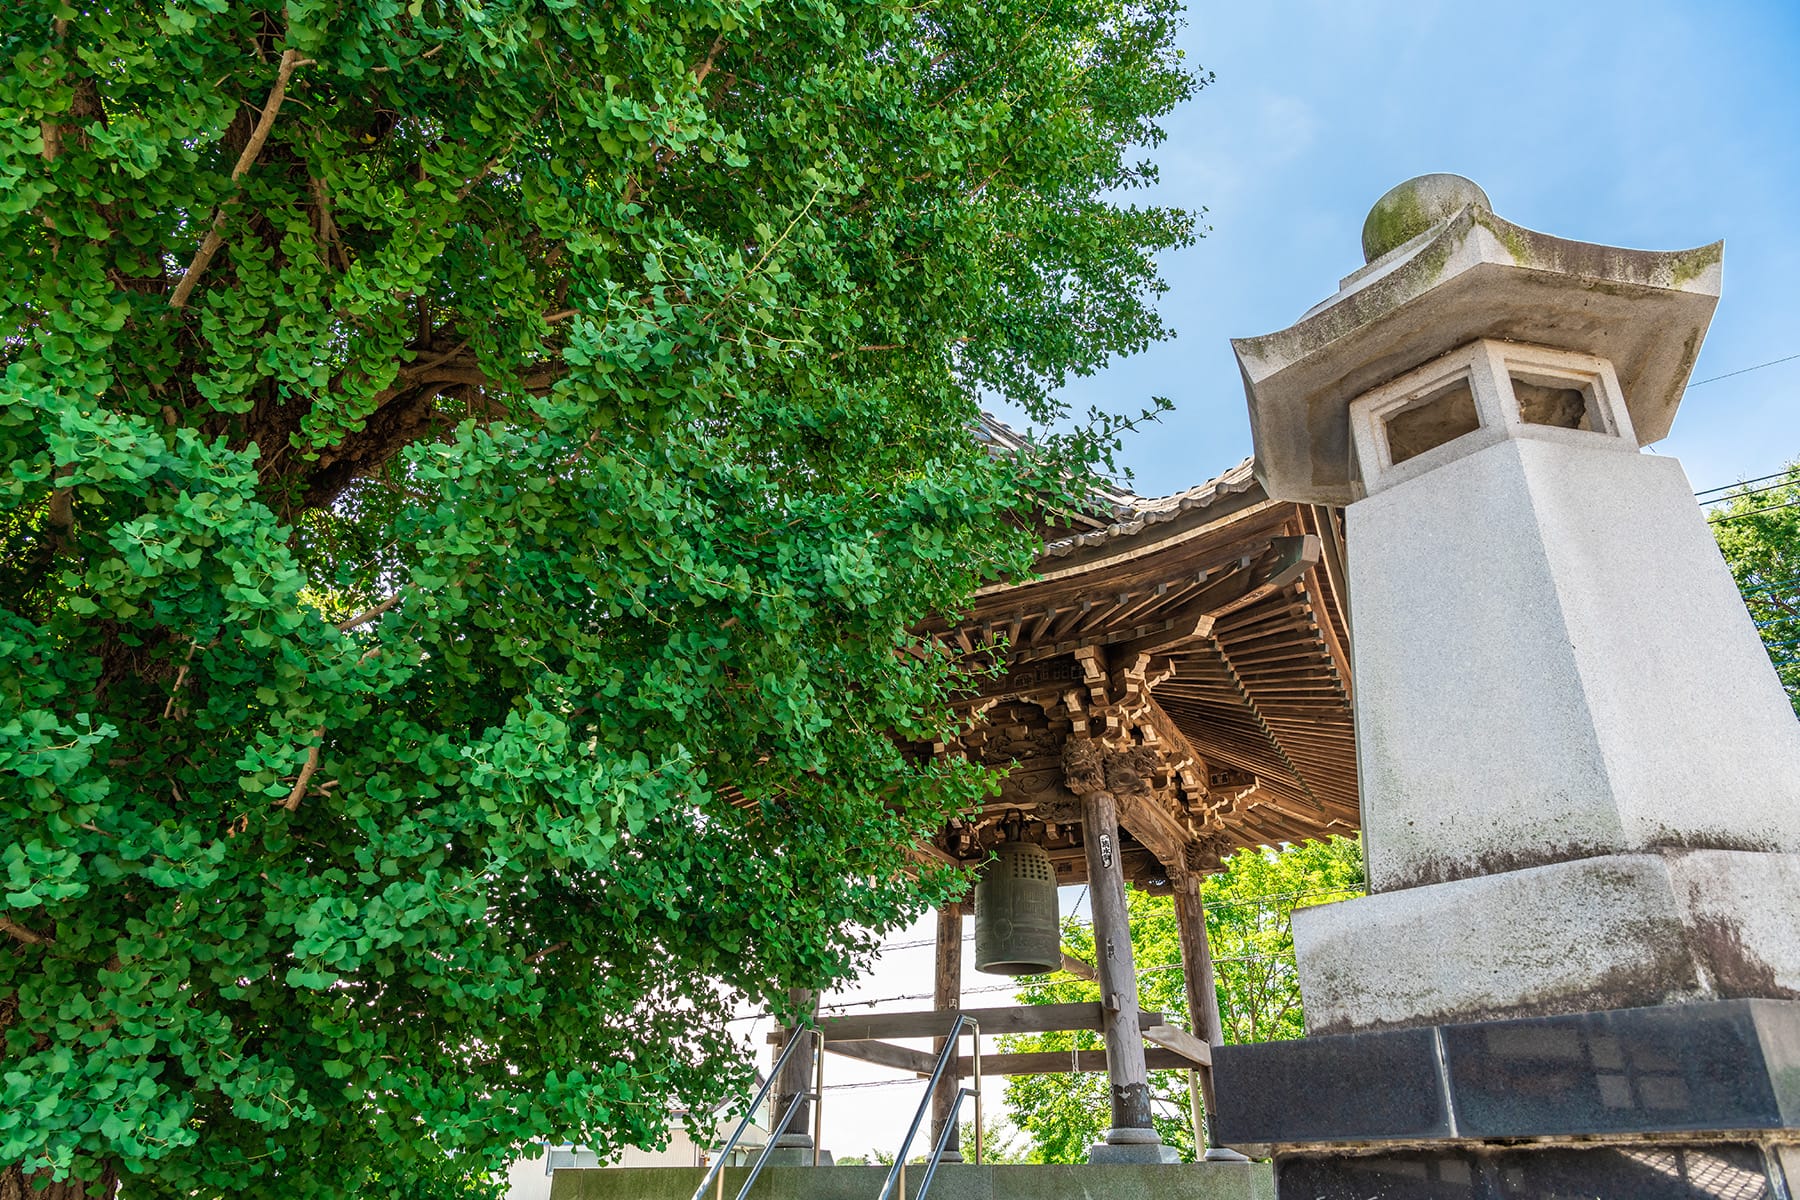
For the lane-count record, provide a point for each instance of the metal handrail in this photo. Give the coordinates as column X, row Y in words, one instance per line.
column 897, row 1173
column 943, row 1140
column 717, row 1173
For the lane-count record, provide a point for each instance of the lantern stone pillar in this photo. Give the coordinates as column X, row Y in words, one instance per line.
column 1580, row 775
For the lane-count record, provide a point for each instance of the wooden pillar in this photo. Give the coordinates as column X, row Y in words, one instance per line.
column 946, row 997
column 1202, row 990
column 796, row 1144
column 1131, row 1124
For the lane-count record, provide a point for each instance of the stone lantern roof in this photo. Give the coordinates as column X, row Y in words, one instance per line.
column 1467, row 274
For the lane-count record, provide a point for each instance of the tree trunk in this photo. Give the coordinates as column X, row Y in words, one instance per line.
column 16, row 1185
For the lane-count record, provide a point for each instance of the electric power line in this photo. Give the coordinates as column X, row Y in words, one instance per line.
column 1755, row 491
column 1770, row 587
column 1774, row 362
column 1722, row 518
column 1725, row 487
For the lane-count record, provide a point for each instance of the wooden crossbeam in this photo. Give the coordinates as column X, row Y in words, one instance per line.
column 885, row 1054
column 1287, row 559
column 1080, row 968
column 1173, row 1049
column 1056, row 1062
column 1180, row 1041
column 1144, row 817
column 1025, row 1018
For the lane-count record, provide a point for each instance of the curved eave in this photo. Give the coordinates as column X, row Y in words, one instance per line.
column 1474, row 276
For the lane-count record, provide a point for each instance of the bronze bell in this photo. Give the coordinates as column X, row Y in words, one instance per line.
column 1017, row 927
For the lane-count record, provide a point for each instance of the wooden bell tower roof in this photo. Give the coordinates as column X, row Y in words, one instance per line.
column 1191, row 657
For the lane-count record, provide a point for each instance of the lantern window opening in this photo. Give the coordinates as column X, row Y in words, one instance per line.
column 1440, row 411
column 1556, row 403
column 1576, row 394
column 1477, row 395
column 1435, row 419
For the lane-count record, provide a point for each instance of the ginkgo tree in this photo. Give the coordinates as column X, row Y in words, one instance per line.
column 468, row 470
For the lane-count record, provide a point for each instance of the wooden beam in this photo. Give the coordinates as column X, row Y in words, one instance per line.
column 1024, row 1018
column 1145, row 819
column 1191, row 1048
column 1076, row 967
column 1286, row 559
column 886, row 1054
column 1202, row 990
column 1056, row 1062
column 1125, row 1070
column 796, row 1081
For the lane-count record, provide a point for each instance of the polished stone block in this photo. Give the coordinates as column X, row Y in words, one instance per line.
column 1727, row 1067
column 1360, row 1085
column 1670, row 1069
column 1722, row 1171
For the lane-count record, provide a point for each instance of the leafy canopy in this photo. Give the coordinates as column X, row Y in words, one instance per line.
column 1249, row 909
column 467, row 472
column 1758, row 529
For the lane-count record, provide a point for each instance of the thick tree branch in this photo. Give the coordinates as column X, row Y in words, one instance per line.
column 30, row 937
column 363, row 618
column 290, row 59
column 60, row 521
column 332, row 245
column 546, row 952
column 292, row 803
column 712, row 58
column 52, row 130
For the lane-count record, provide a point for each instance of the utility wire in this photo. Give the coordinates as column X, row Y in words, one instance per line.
column 1722, row 518
column 1274, row 900
column 967, row 937
column 1743, row 371
column 1725, row 487
column 1755, row 491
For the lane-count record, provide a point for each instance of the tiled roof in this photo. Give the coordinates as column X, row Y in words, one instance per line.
column 1139, row 512
column 1131, row 513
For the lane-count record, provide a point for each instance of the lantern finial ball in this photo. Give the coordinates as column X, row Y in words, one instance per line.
column 1409, row 209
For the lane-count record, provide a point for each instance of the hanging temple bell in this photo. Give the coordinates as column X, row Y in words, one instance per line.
column 1017, row 928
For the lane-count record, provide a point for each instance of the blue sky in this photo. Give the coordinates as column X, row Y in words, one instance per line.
column 1653, row 124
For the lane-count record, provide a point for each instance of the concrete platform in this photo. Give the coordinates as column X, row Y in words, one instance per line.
column 1117, row 1181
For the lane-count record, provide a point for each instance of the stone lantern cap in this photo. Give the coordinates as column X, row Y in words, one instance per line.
column 1467, row 276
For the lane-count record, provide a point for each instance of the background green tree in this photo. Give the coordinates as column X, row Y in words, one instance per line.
column 1249, row 910
column 467, row 471
column 1758, row 529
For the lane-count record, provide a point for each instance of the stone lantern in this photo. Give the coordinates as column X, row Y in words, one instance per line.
column 1580, row 775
